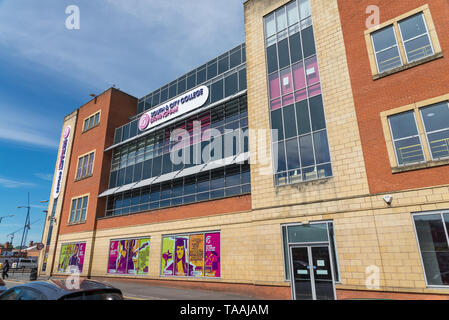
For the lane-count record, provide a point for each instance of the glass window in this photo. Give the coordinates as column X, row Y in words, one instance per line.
column 292, row 13
column 317, row 113
column 433, row 244
column 242, row 79
column 436, row 125
column 289, row 121
column 270, row 26
column 283, row 50
column 97, row 119
column 306, row 149
column 231, row 84
column 86, row 124
column 308, row 42
column 386, row 49
column 295, row 47
column 181, row 85
column 164, row 94
column 281, row 163
column 292, row 154
column 303, row 119
column 321, row 147
column 415, row 37
column 172, row 90
column 406, row 138
column 191, row 80
column 281, row 21
column 272, row 60
column 211, row 70
column 277, row 125
column 217, row 91
column 223, row 65
column 235, row 58
column 201, row 75
column 308, row 233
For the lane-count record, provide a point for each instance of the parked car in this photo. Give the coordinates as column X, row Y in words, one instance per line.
column 57, row 290
column 24, row 263
column 2, row 286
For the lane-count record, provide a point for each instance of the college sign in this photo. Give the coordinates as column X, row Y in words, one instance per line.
column 62, row 155
column 174, row 108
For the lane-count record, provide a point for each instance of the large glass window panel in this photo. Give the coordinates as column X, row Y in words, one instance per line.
column 436, row 124
column 304, row 9
column 164, row 94
column 223, row 65
column 409, row 151
column 292, row 149
column 299, row 75
column 189, row 186
column 434, row 248
column 306, row 151
column 172, row 90
column 276, row 124
column 129, row 174
column 308, row 233
column 295, row 47
column 308, row 42
column 403, row 125
column 201, row 75
column 242, row 79
column 413, row 27
column 191, row 80
column 157, row 166
column 211, row 70
column 284, row 56
column 439, row 144
column 317, row 113
column 321, row 147
column 217, row 91
column 289, row 121
column 286, row 81
column 272, row 59
column 292, row 13
column 146, row 171
column 312, row 73
column 181, row 85
column 386, row 49
column 384, row 38
column 203, row 183
column 235, row 59
column 138, row 172
column 270, row 26
column 231, row 84
column 281, row 21
column 418, row 48
column 275, row 89
column 303, row 119
column 281, row 163
column 217, row 179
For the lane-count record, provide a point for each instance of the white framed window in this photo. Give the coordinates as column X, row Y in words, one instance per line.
column 78, row 210
column 436, row 126
column 85, row 166
column 406, row 139
column 386, row 49
column 91, row 121
column 415, row 37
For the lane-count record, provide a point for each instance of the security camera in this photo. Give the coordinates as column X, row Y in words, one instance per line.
column 388, row 199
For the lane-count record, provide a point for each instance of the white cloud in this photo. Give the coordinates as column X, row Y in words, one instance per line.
column 13, row 184
column 44, row 176
column 26, row 127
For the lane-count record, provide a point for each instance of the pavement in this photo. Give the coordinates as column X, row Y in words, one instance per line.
column 135, row 290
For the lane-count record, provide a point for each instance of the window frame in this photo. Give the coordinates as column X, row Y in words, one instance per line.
column 85, row 164
column 431, row 32
column 427, row 133
column 396, row 45
column 93, row 117
column 429, row 161
column 417, row 135
column 424, row 213
column 73, row 213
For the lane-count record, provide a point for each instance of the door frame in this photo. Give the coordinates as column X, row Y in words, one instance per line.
column 308, row 246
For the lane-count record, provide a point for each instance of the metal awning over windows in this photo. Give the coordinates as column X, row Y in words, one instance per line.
column 240, row 158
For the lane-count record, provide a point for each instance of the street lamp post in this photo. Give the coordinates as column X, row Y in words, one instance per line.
column 1, row 218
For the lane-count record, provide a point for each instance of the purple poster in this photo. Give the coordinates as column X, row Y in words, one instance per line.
column 212, row 254
column 113, row 255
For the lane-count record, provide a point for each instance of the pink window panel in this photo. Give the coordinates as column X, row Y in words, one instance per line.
column 275, row 90
column 275, row 104
column 314, row 90
column 312, row 74
column 299, row 76
column 300, row 95
column 286, row 81
column 288, row 99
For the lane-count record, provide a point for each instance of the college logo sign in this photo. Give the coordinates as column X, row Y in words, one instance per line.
column 174, row 108
column 62, row 155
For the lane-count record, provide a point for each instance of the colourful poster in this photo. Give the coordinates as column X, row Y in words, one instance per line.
column 113, row 255
column 133, row 254
column 144, row 256
column 212, row 255
column 196, row 254
column 122, row 258
column 167, row 256
column 72, row 255
column 181, row 263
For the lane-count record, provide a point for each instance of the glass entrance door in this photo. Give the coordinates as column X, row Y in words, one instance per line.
column 312, row 274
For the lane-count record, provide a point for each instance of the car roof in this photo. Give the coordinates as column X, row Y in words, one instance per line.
column 55, row 289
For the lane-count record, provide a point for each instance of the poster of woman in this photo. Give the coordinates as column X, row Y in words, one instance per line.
column 212, row 255
column 180, row 265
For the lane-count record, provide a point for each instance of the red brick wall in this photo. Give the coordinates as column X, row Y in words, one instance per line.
column 372, row 97
column 116, row 108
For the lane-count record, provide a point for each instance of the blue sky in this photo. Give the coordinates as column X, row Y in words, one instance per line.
column 47, row 71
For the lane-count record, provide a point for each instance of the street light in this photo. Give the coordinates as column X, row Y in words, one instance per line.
column 1, row 218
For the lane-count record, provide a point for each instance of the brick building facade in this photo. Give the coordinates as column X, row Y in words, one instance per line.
column 329, row 186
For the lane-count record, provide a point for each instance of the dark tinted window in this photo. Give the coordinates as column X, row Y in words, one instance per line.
column 223, row 65
column 272, row 60
column 317, row 113
column 276, row 124
column 201, row 75
column 231, row 84
column 242, row 79
column 236, row 59
column 211, row 70
column 295, row 48
column 191, row 80
column 284, row 57
column 308, row 42
column 217, row 91
column 289, row 121
column 302, row 113
column 181, row 85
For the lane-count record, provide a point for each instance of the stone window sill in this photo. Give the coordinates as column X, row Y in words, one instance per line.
column 76, row 223
column 408, row 66
column 418, row 166
column 83, row 178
